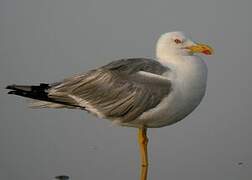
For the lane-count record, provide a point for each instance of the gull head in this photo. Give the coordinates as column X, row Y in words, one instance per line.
column 177, row 44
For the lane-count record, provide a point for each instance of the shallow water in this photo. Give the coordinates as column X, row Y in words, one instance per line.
column 46, row 41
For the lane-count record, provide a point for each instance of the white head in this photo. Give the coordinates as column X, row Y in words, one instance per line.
column 177, row 44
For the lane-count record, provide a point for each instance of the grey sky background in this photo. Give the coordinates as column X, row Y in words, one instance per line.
column 48, row 40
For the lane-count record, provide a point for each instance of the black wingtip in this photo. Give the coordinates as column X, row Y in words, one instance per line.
column 10, row 86
column 20, row 93
column 11, row 92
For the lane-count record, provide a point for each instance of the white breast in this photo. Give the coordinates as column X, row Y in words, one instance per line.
column 188, row 77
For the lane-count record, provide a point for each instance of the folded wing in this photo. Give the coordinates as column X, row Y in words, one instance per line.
column 122, row 90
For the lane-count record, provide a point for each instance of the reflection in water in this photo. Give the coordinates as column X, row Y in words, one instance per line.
column 62, row 177
column 143, row 142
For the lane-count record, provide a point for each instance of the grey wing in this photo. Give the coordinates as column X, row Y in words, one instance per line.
column 123, row 89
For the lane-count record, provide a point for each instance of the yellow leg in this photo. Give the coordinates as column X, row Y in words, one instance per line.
column 143, row 141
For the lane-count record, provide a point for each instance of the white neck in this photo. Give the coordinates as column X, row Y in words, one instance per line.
column 186, row 70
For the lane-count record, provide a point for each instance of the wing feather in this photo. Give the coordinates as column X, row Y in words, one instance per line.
column 121, row 90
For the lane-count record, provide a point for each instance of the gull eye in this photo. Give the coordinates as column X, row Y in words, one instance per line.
column 177, row 41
